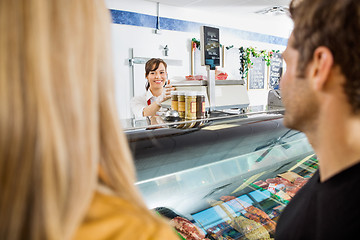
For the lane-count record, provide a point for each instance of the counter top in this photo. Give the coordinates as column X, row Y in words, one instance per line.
column 252, row 114
column 204, row 82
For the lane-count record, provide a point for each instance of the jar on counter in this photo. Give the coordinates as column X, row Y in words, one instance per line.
column 190, row 108
column 200, row 108
column 181, row 104
column 190, row 105
column 174, row 100
column 200, row 105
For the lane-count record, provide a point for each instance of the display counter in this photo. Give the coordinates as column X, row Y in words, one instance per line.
column 231, row 176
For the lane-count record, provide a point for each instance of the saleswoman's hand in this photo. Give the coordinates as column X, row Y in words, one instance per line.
column 166, row 94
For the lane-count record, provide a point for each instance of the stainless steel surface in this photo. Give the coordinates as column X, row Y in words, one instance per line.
column 172, row 113
column 274, row 98
column 172, row 116
column 132, row 77
column 253, row 114
column 204, row 82
column 229, row 82
column 143, row 60
column 190, row 83
column 211, row 88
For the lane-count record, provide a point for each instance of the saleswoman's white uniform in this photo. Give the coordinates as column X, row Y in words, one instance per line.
column 138, row 103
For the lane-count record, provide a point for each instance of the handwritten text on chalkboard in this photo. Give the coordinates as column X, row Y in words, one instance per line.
column 276, row 68
column 257, row 74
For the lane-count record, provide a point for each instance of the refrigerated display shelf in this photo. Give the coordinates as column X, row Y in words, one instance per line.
column 211, row 175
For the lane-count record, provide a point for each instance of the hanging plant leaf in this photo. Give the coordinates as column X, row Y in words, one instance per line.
column 197, row 42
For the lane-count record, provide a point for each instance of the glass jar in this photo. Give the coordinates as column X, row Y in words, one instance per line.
column 200, row 105
column 190, row 105
column 181, row 104
column 174, row 100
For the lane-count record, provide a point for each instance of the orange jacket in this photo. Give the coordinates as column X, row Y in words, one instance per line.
column 110, row 217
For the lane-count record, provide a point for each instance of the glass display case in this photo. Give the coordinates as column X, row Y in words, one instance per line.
column 228, row 178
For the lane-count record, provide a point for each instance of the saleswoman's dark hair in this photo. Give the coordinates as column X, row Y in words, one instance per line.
column 152, row 65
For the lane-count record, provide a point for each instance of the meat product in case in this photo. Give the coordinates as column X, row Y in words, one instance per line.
column 251, row 229
column 262, row 184
column 187, row 229
column 260, row 216
column 300, row 182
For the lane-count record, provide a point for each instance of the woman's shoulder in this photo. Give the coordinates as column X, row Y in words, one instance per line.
column 111, row 217
column 141, row 97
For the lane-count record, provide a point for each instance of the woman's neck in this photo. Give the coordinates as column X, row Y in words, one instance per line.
column 156, row 92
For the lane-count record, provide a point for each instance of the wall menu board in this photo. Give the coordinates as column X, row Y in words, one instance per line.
column 256, row 76
column 275, row 71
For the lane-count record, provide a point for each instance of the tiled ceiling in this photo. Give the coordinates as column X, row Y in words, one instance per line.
column 229, row 6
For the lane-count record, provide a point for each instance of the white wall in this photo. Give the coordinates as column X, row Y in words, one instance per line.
column 148, row 44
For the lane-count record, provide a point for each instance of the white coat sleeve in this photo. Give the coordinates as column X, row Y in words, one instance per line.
column 137, row 105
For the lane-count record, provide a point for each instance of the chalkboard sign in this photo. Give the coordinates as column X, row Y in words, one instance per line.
column 276, row 69
column 256, row 74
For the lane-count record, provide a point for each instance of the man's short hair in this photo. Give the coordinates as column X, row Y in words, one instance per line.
column 334, row 24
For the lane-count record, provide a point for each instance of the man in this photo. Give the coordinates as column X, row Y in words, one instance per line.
column 321, row 95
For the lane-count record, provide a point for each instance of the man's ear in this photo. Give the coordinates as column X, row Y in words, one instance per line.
column 321, row 65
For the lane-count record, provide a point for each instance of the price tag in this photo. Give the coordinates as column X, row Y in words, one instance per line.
column 272, row 187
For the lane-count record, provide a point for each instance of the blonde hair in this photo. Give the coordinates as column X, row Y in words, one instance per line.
column 59, row 127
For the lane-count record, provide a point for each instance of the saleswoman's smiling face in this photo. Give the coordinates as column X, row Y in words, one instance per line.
column 157, row 77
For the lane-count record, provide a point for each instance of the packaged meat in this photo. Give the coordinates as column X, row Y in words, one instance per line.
column 283, row 195
column 221, row 76
column 300, row 182
column 196, row 77
column 290, row 176
column 262, row 184
column 251, row 229
column 272, row 180
column 200, row 77
column 190, row 77
column 278, row 180
column 291, row 190
column 254, row 213
column 227, row 198
column 187, row 229
column 272, row 188
column 261, row 217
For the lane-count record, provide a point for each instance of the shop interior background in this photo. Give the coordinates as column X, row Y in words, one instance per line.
column 247, row 23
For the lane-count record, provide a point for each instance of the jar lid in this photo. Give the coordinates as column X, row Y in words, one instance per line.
column 200, row 94
column 190, row 94
column 181, row 92
column 174, row 93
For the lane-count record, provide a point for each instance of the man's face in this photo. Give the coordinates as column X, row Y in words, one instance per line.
column 297, row 96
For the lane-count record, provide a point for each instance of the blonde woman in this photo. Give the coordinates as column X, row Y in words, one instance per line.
column 65, row 167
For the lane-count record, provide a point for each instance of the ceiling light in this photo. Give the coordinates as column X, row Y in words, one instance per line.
column 275, row 10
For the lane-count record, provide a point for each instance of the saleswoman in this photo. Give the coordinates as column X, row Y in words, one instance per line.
column 157, row 89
